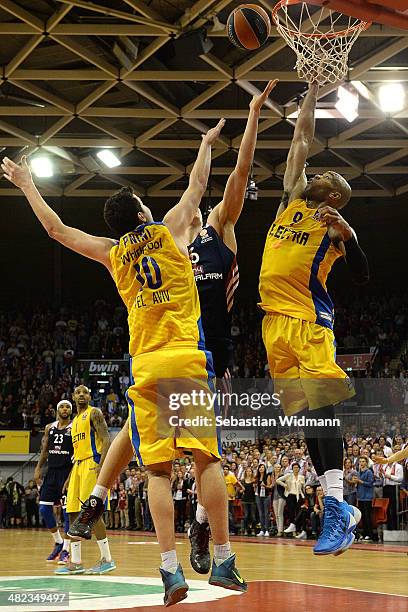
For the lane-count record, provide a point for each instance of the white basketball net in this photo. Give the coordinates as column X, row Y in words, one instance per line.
column 321, row 40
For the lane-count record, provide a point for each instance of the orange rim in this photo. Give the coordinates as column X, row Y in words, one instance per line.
column 361, row 25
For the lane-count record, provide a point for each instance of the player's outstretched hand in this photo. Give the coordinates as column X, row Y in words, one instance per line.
column 18, row 174
column 211, row 136
column 378, row 459
column 258, row 101
column 338, row 228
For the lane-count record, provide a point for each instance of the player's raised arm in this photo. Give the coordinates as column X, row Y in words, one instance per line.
column 179, row 218
column 395, row 458
column 93, row 247
column 229, row 210
column 99, row 424
column 294, row 180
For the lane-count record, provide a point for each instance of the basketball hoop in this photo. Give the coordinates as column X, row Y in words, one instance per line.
column 322, row 40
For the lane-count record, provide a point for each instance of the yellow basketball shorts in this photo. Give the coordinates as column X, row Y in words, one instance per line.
column 302, row 363
column 81, row 483
column 172, row 405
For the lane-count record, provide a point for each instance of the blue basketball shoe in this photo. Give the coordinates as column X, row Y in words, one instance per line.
column 357, row 516
column 175, row 586
column 339, row 523
column 55, row 553
column 101, row 567
column 227, row 576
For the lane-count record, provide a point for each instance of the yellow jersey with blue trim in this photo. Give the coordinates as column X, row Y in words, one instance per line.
column 297, row 259
column 85, row 439
column 156, row 283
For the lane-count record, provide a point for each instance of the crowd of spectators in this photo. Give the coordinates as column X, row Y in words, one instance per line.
column 272, row 487
column 40, row 353
column 362, row 324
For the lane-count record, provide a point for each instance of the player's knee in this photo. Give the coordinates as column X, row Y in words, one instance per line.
column 46, row 512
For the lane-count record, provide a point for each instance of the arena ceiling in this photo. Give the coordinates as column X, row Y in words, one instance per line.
column 79, row 76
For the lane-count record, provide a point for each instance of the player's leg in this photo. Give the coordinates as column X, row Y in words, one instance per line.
column 162, row 511
column 215, row 500
column 199, row 531
column 64, row 554
column 325, row 384
column 72, row 508
column 49, row 494
column 119, row 455
column 88, row 481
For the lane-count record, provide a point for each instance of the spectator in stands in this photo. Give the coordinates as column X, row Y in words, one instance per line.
column 179, row 488
column 248, row 501
column 232, row 483
column 147, row 517
column 317, row 514
column 123, row 507
column 31, row 505
column 355, row 456
column 278, row 499
column 286, row 469
column 113, row 515
column 393, row 477
column 365, row 494
column 294, row 485
column 192, row 493
column 349, row 484
column 263, row 490
column 305, row 512
column 15, row 492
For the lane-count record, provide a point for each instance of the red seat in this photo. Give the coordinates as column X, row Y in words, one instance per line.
column 379, row 514
column 238, row 510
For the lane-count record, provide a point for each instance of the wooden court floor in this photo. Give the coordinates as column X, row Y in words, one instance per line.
column 280, row 572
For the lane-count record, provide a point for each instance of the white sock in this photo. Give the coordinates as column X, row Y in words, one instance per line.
column 57, row 537
column 100, row 491
column 222, row 552
column 334, row 479
column 104, row 548
column 201, row 514
column 169, row 561
column 322, row 480
column 66, row 545
column 76, row 552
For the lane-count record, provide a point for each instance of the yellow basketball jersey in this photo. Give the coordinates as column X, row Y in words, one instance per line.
column 85, row 440
column 156, row 283
column 297, row 259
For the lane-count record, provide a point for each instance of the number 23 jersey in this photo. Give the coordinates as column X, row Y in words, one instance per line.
column 156, row 283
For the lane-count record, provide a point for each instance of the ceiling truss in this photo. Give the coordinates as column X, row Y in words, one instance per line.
column 99, row 73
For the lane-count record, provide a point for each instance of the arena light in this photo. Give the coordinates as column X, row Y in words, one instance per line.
column 108, row 158
column 347, row 103
column 42, row 167
column 391, row 97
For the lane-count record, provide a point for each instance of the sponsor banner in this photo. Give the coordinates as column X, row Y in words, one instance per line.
column 355, row 361
column 236, row 437
column 104, row 367
column 14, row 442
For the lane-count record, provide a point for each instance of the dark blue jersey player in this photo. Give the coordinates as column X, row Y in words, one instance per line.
column 213, row 251
column 216, row 273
column 58, row 450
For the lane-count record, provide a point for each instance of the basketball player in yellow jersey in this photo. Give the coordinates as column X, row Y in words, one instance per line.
column 90, row 439
column 151, row 268
column 306, row 238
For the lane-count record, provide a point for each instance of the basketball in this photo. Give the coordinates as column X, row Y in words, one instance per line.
column 248, row 27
